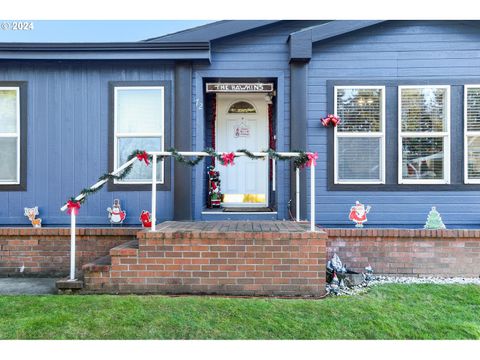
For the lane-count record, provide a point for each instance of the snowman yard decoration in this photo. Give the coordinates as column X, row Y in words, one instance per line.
column 116, row 214
column 358, row 214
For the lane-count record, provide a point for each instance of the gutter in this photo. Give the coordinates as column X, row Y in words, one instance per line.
column 105, row 51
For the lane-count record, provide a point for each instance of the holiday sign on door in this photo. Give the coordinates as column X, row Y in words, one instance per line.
column 241, row 131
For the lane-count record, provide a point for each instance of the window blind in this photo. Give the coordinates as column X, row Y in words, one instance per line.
column 360, row 110
column 424, row 134
column 472, row 134
column 360, row 136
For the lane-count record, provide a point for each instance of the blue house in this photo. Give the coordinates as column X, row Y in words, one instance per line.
column 407, row 94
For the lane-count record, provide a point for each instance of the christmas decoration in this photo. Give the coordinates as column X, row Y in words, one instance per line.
column 31, row 214
column 272, row 140
column 73, row 207
column 115, row 213
column 146, row 219
column 214, row 193
column 312, row 159
column 227, row 158
column 330, row 119
column 213, row 119
column 300, row 161
column 434, row 220
column 143, row 156
column 358, row 214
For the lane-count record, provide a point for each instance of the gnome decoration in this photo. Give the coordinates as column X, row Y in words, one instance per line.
column 146, row 219
column 214, row 193
column 358, row 214
column 31, row 213
column 116, row 214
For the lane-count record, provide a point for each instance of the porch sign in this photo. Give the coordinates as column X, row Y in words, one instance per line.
column 239, row 87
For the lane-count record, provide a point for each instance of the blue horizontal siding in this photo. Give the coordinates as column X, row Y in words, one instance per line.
column 68, row 140
column 262, row 50
column 397, row 50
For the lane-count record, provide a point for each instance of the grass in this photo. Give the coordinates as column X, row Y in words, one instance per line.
column 385, row 312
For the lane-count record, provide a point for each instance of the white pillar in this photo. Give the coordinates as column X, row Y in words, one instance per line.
column 312, row 198
column 297, row 193
column 72, row 244
column 154, row 193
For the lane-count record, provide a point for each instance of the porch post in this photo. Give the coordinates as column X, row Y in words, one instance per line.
column 298, row 129
column 182, row 174
column 154, row 193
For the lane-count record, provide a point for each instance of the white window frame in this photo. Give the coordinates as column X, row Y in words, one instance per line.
column 445, row 134
column 116, row 135
column 14, row 135
column 466, row 134
column 380, row 135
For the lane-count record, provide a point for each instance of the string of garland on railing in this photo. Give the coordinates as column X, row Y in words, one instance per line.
column 300, row 161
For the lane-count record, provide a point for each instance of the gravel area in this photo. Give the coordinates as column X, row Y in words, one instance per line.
column 380, row 280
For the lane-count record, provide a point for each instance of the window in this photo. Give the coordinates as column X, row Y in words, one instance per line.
column 9, row 135
column 360, row 135
column 472, row 134
column 424, row 139
column 242, row 107
column 139, row 119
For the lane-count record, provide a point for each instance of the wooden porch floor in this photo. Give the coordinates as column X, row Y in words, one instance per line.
column 234, row 226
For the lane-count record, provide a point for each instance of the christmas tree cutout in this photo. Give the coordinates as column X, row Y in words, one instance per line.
column 434, row 220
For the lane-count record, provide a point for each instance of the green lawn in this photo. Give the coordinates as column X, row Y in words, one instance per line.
column 385, row 312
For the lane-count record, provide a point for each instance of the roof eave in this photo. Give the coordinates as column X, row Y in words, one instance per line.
column 105, row 51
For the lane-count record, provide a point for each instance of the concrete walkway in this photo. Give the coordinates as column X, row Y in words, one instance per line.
column 27, row 286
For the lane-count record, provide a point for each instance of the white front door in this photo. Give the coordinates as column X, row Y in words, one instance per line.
column 242, row 123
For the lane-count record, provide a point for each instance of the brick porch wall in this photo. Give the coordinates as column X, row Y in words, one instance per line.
column 408, row 252
column 46, row 251
column 265, row 262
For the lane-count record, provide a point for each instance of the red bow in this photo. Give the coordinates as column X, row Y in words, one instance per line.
column 143, row 156
column 228, row 158
column 312, row 159
column 330, row 119
column 73, row 206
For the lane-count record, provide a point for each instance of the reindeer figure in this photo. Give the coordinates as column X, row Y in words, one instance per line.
column 31, row 213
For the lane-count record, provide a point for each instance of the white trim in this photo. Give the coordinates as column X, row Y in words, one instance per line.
column 152, row 134
column 467, row 133
column 117, row 135
column 361, row 134
column 440, row 134
column 239, row 213
column 14, row 135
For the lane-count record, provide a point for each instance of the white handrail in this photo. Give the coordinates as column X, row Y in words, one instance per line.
column 101, row 182
column 259, row 154
column 155, row 155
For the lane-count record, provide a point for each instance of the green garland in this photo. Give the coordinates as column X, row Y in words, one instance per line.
column 298, row 161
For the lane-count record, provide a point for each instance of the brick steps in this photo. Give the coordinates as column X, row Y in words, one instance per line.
column 103, row 264
column 129, row 248
column 100, row 264
column 230, row 258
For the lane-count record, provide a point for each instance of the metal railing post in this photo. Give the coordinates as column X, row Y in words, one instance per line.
column 312, row 198
column 274, row 175
column 154, row 192
column 297, row 193
column 72, row 244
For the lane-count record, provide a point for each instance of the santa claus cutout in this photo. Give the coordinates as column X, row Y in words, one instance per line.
column 358, row 214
